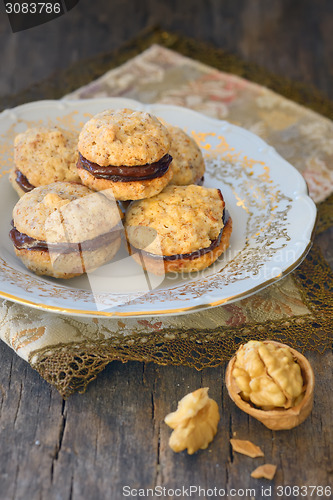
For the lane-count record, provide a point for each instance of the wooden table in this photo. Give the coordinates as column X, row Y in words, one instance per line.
column 93, row 445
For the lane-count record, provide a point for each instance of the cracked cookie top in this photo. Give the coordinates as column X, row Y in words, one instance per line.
column 180, row 220
column 45, row 155
column 123, row 137
column 65, row 212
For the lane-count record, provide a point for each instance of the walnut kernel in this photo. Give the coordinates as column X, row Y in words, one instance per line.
column 268, row 375
column 263, row 375
column 194, row 423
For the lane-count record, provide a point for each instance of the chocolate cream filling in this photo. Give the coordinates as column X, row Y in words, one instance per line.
column 124, row 173
column 23, row 182
column 192, row 255
column 24, row 242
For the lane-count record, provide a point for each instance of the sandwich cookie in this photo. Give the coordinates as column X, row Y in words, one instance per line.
column 184, row 227
column 42, row 156
column 127, row 151
column 65, row 229
column 188, row 166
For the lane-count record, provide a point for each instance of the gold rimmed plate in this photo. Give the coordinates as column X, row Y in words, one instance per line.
column 273, row 222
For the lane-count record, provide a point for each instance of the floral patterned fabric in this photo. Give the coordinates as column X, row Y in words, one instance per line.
column 20, row 327
column 301, row 136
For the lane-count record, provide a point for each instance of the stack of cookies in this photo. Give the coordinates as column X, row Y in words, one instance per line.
column 74, row 189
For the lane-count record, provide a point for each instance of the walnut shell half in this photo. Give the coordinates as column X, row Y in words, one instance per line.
column 276, row 419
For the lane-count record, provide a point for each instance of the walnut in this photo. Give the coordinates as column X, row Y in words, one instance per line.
column 194, row 422
column 268, row 375
column 272, row 382
column 267, row 471
column 246, row 448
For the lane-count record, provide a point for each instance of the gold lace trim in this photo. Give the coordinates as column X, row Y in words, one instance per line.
column 325, row 215
column 70, row 367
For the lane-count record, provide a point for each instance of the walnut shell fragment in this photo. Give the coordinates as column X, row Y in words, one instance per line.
column 276, row 418
column 266, row 471
column 246, row 448
column 194, row 422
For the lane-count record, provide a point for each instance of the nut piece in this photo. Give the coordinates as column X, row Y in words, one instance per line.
column 272, row 382
column 194, row 422
column 267, row 471
column 246, row 448
column 54, row 201
column 268, row 375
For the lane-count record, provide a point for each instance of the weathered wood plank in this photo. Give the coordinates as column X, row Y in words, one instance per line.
column 93, row 445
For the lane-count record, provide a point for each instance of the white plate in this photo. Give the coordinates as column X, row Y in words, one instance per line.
column 273, row 221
